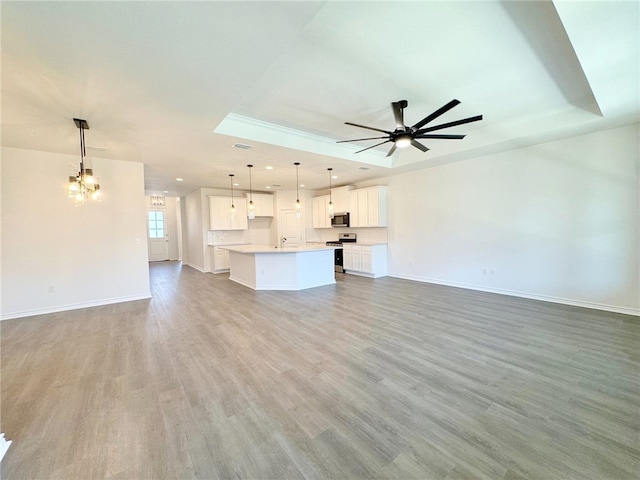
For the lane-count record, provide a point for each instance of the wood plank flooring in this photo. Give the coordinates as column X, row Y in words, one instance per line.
column 365, row 379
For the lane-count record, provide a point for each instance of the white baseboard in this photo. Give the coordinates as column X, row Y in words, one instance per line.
column 73, row 306
column 532, row 296
column 4, row 445
column 195, row 267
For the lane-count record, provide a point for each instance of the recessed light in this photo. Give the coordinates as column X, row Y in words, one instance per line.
column 334, row 176
column 302, row 185
column 269, row 167
column 179, row 179
column 165, row 191
column 236, row 184
column 268, row 186
column 242, row 146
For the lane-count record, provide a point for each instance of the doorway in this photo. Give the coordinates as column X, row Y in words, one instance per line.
column 157, row 236
column 290, row 229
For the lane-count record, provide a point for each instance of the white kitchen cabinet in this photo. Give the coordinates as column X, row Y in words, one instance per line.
column 368, row 207
column 220, row 213
column 356, row 259
column 340, row 199
column 366, row 260
column 262, row 204
column 320, row 213
column 362, row 216
column 347, row 259
column 220, row 260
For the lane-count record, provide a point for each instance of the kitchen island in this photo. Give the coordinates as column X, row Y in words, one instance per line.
column 291, row 268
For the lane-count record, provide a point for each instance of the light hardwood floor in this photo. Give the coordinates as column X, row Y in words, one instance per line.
column 381, row 378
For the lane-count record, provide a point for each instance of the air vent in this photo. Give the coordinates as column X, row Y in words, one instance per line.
column 242, row 146
column 363, row 168
column 97, row 149
column 276, row 185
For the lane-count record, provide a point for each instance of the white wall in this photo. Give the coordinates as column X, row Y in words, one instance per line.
column 286, row 200
column 557, row 221
column 173, row 217
column 194, row 245
column 56, row 256
column 261, row 231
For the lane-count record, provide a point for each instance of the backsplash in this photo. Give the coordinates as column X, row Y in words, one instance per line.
column 226, row 237
column 373, row 235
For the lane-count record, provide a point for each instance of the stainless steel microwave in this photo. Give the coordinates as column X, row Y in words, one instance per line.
column 340, row 220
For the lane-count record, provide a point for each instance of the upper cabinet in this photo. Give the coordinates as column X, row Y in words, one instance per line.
column 262, row 204
column 220, row 213
column 320, row 213
column 368, row 207
column 340, row 199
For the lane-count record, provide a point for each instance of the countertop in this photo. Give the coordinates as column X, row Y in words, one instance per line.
column 269, row 249
column 225, row 245
column 351, row 243
column 366, row 244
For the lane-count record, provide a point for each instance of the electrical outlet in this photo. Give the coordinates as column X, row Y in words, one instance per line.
column 484, row 271
column 493, row 272
column 52, row 289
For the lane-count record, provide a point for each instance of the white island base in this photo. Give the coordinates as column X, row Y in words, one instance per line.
column 269, row 268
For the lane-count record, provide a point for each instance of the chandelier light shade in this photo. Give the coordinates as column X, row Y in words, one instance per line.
column 232, row 211
column 298, row 205
column 83, row 185
column 252, row 212
column 330, row 206
column 157, row 201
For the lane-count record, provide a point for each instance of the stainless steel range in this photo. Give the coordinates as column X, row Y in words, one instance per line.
column 342, row 238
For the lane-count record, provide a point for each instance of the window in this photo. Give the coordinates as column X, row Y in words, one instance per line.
column 156, row 224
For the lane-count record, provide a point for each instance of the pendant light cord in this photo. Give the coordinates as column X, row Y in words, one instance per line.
column 83, row 151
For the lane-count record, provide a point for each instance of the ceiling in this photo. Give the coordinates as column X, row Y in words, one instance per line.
column 175, row 85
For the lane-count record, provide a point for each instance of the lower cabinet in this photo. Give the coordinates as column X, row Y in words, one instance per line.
column 366, row 260
column 220, row 260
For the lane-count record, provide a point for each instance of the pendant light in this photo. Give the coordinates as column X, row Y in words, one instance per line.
column 330, row 206
column 83, row 185
column 233, row 207
column 298, row 205
column 252, row 212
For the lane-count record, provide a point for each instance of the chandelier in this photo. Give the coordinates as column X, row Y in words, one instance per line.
column 157, row 200
column 83, row 185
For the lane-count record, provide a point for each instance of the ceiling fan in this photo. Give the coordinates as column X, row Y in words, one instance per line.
column 403, row 136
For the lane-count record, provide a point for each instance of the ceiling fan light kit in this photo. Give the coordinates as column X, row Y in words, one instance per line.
column 403, row 135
